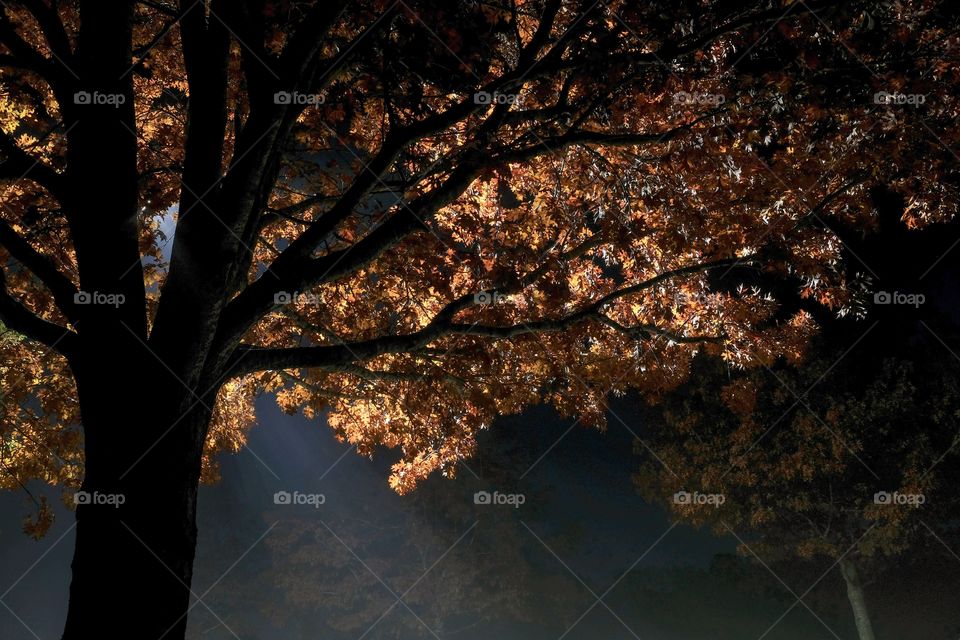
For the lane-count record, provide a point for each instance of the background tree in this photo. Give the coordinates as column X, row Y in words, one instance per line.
column 348, row 203
column 844, row 457
column 336, row 565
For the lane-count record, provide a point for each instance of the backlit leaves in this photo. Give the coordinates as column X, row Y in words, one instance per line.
column 554, row 175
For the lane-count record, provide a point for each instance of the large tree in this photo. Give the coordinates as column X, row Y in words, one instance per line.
column 417, row 215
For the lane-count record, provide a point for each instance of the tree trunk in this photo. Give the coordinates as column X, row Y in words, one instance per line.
column 858, row 602
column 136, row 517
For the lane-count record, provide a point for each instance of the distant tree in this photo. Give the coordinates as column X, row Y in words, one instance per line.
column 845, row 456
column 416, row 214
column 332, row 571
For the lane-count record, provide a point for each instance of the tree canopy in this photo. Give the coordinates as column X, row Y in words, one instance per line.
column 417, row 216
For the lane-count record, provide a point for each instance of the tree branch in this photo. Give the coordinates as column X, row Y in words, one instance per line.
column 42, row 267
column 19, row 164
column 27, row 56
column 259, row 298
column 250, row 359
column 19, row 318
column 52, row 27
column 600, row 138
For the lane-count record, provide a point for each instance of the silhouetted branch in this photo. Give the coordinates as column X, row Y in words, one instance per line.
column 250, row 359
column 19, row 318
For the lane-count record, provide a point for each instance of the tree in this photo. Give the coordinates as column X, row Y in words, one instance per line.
column 415, row 238
column 333, row 570
column 822, row 459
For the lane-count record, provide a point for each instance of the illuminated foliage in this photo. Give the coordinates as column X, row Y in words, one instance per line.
column 417, row 216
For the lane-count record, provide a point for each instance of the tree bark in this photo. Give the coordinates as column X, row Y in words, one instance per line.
column 136, row 522
column 858, row 602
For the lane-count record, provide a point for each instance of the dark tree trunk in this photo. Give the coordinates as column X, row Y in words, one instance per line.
column 132, row 565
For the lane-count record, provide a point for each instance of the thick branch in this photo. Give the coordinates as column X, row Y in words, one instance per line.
column 373, row 375
column 599, row 138
column 300, row 54
column 41, row 266
column 19, row 318
column 19, row 164
column 101, row 171
column 252, row 359
column 52, row 27
column 27, row 57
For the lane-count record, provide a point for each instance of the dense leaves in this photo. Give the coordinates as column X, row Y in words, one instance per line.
column 429, row 214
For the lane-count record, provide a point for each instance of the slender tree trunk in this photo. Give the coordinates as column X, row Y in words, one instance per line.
column 858, row 602
column 136, row 520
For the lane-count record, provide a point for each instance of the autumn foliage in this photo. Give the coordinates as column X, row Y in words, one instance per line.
column 464, row 209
